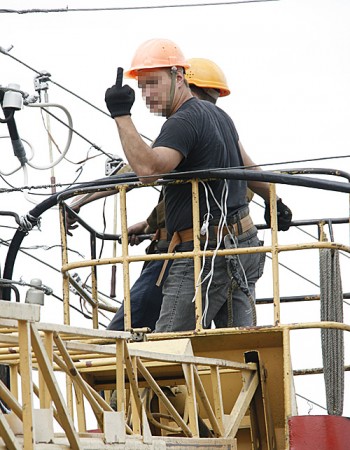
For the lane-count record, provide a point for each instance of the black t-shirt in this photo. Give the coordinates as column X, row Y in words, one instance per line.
column 207, row 138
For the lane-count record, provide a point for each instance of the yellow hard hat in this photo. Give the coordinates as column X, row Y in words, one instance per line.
column 205, row 73
column 156, row 53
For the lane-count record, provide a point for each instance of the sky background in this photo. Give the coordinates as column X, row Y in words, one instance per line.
column 288, row 67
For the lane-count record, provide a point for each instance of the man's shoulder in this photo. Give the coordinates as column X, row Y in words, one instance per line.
column 188, row 105
column 204, row 106
column 196, row 108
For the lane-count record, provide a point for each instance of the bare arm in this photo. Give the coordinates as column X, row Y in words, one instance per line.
column 80, row 201
column 284, row 214
column 144, row 160
column 259, row 187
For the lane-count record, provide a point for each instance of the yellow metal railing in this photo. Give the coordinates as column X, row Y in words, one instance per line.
column 95, row 360
column 197, row 254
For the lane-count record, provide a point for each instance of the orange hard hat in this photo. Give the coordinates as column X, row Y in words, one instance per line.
column 154, row 54
column 205, row 73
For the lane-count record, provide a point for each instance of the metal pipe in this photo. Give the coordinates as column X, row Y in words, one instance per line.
column 124, row 258
column 196, row 256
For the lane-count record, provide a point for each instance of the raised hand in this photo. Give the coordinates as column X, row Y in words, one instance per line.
column 119, row 99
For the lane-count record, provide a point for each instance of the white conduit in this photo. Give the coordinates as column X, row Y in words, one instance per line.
column 69, row 139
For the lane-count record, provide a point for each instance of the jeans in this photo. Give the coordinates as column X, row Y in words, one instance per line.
column 239, row 311
column 178, row 310
column 145, row 299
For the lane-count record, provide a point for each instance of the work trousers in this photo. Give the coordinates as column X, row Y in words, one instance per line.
column 145, row 299
column 178, row 308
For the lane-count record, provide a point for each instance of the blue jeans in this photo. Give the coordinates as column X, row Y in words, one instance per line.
column 178, row 309
column 145, row 299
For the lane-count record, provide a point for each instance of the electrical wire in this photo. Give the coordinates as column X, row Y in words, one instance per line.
column 26, row 194
column 19, row 167
column 77, row 133
column 79, row 170
column 316, row 159
column 87, row 316
column 133, row 8
column 70, row 132
column 205, row 230
column 21, row 249
column 311, row 401
column 223, row 208
column 50, row 247
column 13, row 188
column 6, row 52
column 178, row 174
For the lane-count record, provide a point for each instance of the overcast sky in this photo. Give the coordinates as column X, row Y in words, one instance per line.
column 287, row 65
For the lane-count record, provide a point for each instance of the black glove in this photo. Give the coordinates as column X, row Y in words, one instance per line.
column 119, row 99
column 284, row 216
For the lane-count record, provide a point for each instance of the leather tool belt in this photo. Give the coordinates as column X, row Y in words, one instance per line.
column 241, row 226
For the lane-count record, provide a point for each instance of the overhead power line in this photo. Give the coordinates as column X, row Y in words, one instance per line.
column 6, row 52
column 128, row 8
column 218, row 170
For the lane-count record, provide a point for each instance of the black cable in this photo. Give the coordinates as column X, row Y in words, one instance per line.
column 21, row 249
column 211, row 172
column 33, row 217
column 108, row 182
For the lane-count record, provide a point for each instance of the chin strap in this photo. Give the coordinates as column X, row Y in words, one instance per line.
column 173, row 72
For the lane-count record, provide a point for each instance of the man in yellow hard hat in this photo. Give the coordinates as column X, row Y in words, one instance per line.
column 196, row 136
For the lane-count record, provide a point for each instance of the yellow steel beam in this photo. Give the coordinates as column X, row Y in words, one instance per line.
column 53, row 387
column 25, row 362
column 274, row 254
column 124, row 258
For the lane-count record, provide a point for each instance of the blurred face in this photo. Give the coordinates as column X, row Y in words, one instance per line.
column 155, row 86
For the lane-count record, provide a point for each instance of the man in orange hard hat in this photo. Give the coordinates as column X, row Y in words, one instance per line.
column 207, row 82
column 196, row 136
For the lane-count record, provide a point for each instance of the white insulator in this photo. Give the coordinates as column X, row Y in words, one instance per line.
column 35, row 296
column 13, row 99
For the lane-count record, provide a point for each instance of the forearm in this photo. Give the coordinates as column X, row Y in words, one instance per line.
column 260, row 188
column 140, row 156
column 88, row 198
column 145, row 160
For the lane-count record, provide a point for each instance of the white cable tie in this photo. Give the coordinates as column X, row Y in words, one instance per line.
column 35, row 220
column 27, row 222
